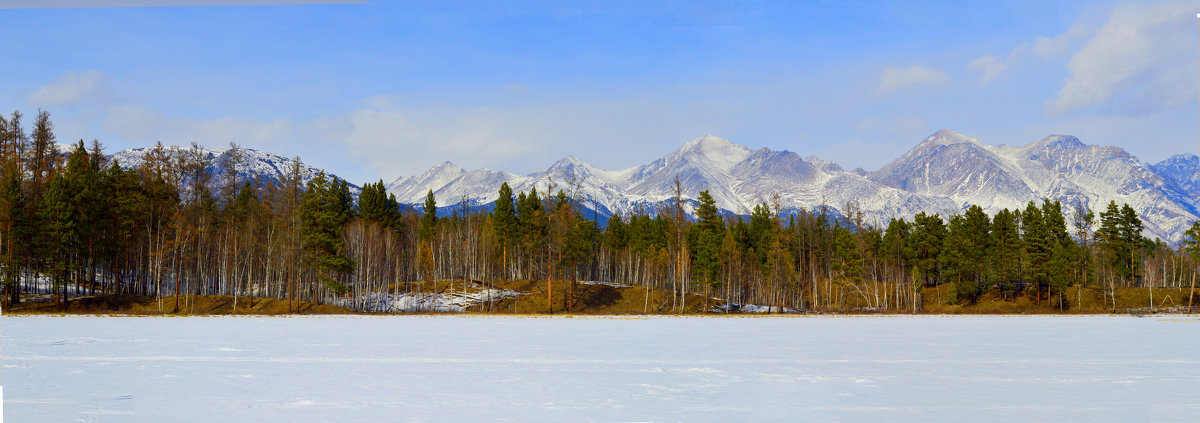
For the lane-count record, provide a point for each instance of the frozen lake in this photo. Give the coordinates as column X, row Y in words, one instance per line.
column 465, row 368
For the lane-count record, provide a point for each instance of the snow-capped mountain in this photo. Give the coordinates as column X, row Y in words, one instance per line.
column 736, row 177
column 1060, row 167
column 256, row 166
column 1184, row 171
column 944, row 173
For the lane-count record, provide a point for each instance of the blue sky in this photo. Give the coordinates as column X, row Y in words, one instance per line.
column 387, row 89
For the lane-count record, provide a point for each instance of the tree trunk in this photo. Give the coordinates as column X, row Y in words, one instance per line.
column 1192, row 292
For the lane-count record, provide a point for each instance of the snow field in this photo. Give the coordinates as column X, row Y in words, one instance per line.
column 482, row 368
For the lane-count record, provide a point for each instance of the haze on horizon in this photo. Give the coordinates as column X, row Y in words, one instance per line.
column 387, row 89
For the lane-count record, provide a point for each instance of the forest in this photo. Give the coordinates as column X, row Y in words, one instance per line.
column 170, row 228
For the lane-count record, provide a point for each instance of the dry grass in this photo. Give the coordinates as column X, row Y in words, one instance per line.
column 1076, row 300
column 188, row 305
column 610, row 300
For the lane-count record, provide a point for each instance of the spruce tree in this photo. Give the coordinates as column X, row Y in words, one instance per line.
column 1008, row 248
column 323, row 219
column 14, row 231
column 429, row 217
column 1061, row 246
column 59, row 234
column 504, row 220
column 1038, row 247
column 967, row 249
column 1131, row 234
column 1192, row 245
column 925, row 245
column 710, row 231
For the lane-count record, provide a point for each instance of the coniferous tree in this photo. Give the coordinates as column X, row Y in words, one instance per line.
column 1008, row 249
column 14, row 231
column 59, row 235
column 323, row 219
column 1038, row 248
column 709, row 233
column 1084, row 219
column 504, row 220
column 925, row 246
column 968, row 245
column 1131, row 233
column 1192, row 246
column 1061, row 248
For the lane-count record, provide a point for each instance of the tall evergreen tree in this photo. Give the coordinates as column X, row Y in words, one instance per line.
column 1192, row 245
column 323, row 219
column 1008, row 249
column 925, row 246
column 967, row 250
column 504, row 220
column 429, row 217
column 59, row 235
column 710, row 231
column 14, row 231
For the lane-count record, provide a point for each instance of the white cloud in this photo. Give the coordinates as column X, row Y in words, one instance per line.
column 896, row 78
column 1141, row 61
column 396, row 142
column 1045, row 48
column 139, row 125
column 70, row 88
column 991, row 66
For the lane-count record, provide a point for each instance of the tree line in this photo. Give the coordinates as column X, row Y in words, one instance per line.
column 76, row 223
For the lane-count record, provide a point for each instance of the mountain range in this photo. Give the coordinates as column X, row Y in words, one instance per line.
column 256, row 166
column 944, row 173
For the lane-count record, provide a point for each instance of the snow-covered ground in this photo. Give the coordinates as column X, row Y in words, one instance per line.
column 421, row 301
column 752, row 308
column 605, row 283
column 473, row 368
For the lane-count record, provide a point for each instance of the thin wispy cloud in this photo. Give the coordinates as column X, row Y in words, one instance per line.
column 72, row 87
column 895, row 78
column 992, row 67
column 1141, row 61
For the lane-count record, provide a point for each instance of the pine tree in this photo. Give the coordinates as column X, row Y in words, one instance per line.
column 925, row 246
column 14, row 231
column 1008, row 248
column 1084, row 220
column 848, row 265
column 894, row 238
column 968, row 245
column 59, row 234
column 709, row 233
column 504, row 223
column 1131, row 234
column 1058, row 268
column 323, row 219
column 429, row 217
column 372, row 203
column 1192, row 246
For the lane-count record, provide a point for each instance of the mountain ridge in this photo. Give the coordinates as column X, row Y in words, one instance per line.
column 943, row 173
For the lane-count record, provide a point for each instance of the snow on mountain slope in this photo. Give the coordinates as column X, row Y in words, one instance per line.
column 1061, row 167
column 944, row 173
column 256, row 165
column 412, row 190
column 701, row 164
column 949, row 164
column 736, row 177
column 1184, row 171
